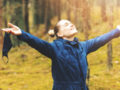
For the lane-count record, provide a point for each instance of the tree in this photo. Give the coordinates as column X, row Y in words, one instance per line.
column 36, row 13
column 59, row 9
column 103, row 10
column 68, row 12
column 85, row 17
column 1, row 35
column 118, row 3
column 43, row 12
column 16, row 17
column 46, row 15
column 75, row 11
column 109, row 45
column 26, row 14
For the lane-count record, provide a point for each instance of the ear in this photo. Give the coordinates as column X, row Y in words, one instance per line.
column 59, row 34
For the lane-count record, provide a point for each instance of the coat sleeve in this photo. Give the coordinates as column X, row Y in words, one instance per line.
column 95, row 43
column 40, row 45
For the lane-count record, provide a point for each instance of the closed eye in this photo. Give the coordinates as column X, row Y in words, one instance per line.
column 66, row 24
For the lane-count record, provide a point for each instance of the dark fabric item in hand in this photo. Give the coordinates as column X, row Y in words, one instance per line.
column 7, row 44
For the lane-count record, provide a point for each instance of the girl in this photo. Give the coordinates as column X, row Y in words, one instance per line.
column 68, row 55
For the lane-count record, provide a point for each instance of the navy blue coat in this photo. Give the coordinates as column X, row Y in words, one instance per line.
column 69, row 62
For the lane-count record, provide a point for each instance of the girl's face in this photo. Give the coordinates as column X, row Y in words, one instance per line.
column 66, row 29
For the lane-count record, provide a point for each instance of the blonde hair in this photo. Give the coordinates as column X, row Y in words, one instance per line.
column 53, row 32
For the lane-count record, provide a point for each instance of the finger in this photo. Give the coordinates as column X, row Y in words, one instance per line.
column 7, row 30
column 12, row 25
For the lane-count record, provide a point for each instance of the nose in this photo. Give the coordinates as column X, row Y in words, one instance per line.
column 71, row 25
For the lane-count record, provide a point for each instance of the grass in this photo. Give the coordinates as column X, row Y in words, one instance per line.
column 26, row 71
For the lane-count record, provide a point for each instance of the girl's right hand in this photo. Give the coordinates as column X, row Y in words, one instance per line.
column 13, row 30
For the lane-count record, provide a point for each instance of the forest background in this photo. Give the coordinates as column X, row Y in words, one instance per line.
column 29, row 70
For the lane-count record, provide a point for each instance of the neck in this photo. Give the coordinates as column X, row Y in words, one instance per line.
column 69, row 38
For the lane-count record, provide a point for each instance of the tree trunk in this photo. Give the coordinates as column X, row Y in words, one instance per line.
column 69, row 13
column 86, row 17
column 46, row 15
column 5, row 13
column 26, row 14
column 103, row 10
column 75, row 11
column 1, row 34
column 109, row 55
column 118, row 3
column 59, row 9
column 36, row 14
column 109, row 45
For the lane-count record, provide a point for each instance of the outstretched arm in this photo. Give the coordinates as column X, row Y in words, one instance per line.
column 40, row 45
column 95, row 43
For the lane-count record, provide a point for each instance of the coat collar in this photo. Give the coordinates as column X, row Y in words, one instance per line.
column 75, row 42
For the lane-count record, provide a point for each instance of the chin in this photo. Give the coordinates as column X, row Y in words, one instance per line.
column 73, row 34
